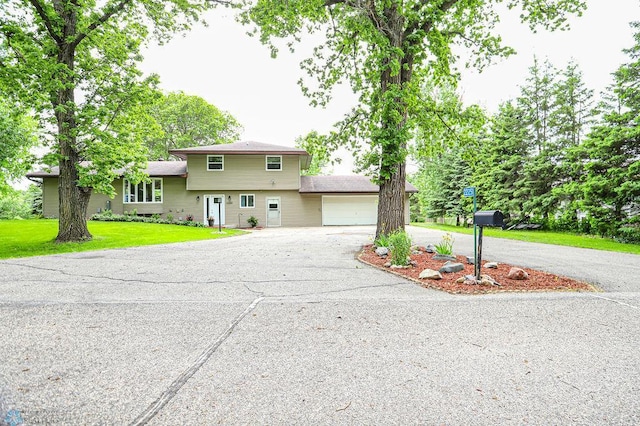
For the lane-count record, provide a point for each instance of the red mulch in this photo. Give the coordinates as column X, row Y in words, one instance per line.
column 537, row 280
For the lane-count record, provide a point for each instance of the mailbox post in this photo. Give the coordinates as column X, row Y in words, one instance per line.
column 493, row 218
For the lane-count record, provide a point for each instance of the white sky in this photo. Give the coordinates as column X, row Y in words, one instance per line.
column 235, row 72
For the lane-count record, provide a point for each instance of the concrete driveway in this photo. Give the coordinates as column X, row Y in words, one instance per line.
column 284, row 326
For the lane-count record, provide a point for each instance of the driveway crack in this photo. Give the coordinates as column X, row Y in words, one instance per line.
column 153, row 409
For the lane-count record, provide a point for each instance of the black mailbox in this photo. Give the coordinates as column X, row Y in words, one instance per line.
column 488, row 218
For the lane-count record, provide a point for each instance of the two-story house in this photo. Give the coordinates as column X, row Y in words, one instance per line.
column 232, row 182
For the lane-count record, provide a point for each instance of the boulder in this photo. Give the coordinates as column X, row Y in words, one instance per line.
column 444, row 257
column 382, row 251
column 491, row 265
column 470, row 260
column 517, row 274
column 450, row 267
column 430, row 248
column 430, row 274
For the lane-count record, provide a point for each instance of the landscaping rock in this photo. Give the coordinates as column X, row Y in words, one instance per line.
column 491, row 265
column 444, row 257
column 517, row 274
column 382, row 251
column 470, row 260
column 450, row 267
column 387, row 265
column 430, row 248
column 430, row 274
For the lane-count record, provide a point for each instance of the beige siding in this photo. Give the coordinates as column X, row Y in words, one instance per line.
column 243, row 172
column 296, row 210
column 50, row 197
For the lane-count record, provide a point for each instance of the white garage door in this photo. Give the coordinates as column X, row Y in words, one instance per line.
column 350, row 210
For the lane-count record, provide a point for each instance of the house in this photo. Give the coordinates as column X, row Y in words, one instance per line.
column 232, row 182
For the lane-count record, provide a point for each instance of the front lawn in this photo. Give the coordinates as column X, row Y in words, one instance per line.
column 544, row 237
column 22, row 238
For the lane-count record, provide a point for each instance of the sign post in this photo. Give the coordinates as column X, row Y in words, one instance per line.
column 470, row 191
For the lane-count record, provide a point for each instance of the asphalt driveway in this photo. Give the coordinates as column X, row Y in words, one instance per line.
column 284, row 326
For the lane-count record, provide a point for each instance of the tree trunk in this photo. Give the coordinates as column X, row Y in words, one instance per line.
column 73, row 199
column 391, row 203
column 391, row 198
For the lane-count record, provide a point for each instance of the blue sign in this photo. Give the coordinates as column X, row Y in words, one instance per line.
column 469, row 191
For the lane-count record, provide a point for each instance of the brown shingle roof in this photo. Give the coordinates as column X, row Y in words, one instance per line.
column 342, row 184
column 245, row 147
column 154, row 169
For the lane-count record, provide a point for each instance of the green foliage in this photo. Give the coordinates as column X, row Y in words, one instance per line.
column 611, row 185
column 545, row 237
column 109, row 216
column 23, row 238
column 15, row 205
column 387, row 51
column 400, row 246
column 75, row 65
column 17, row 137
column 446, row 244
column 253, row 221
column 316, row 145
column 186, row 121
column 382, row 241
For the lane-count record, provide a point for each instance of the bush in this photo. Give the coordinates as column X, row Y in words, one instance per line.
column 382, row 241
column 253, row 221
column 15, row 205
column 400, row 246
column 629, row 234
column 108, row 216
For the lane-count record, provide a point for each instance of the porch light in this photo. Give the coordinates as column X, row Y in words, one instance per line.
column 197, row 198
column 229, row 200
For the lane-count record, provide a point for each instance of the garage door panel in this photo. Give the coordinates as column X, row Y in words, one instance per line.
column 349, row 210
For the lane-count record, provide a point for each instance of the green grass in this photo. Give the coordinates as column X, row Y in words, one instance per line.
column 544, row 237
column 22, row 238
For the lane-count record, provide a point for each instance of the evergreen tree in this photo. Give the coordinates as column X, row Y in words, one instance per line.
column 612, row 181
column 501, row 161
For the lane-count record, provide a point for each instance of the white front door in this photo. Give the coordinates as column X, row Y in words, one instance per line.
column 273, row 211
column 214, row 207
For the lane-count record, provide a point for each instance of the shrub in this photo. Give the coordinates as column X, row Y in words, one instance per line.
column 382, row 241
column 400, row 246
column 108, row 216
column 253, row 221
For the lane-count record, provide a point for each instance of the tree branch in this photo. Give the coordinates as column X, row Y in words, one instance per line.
column 108, row 13
column 45, row 18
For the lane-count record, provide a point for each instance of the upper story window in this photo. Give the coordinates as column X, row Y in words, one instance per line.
column 215, row 162
column 274, row 162
column 143, row 192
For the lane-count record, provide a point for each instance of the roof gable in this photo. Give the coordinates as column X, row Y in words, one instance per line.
column 245, row 147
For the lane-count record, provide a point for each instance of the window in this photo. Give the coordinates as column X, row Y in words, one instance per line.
column 143, row 192
column 215, row 162
column 247, row 201
column 274, row 162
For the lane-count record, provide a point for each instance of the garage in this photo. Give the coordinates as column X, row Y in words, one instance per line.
column 350, row 210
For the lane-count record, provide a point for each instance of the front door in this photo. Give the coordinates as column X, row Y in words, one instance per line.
column 214, row 207
column 273, row 211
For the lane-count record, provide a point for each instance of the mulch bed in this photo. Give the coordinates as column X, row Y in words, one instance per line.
column 536, row 282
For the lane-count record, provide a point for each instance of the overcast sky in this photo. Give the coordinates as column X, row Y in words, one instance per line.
column 236, row 73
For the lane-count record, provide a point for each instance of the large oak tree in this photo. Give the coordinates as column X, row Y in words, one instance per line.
column 386, row 49
column 74, row 62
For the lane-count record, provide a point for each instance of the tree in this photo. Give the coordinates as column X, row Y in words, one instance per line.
column 386, row 50
column 612, row 181
column 17, row 137
column 315, row 144
column 502, row 155
column 75, row 63
column 188, row 121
